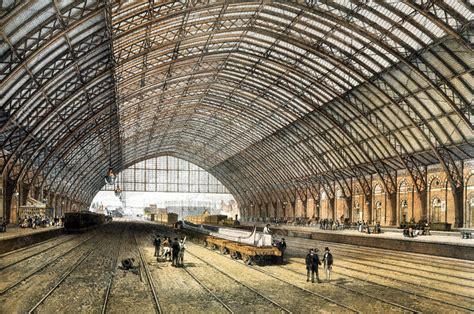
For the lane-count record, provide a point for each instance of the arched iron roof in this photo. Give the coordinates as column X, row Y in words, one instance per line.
column 270, row 97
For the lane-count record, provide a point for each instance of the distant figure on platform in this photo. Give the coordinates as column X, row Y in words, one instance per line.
column 175, row 252
column 267, row 230
column 282, row 247
column 182, row 248
column 312, row 263
column 157, row 244
column 328, row 261
column 127, row 264
column 3, row 224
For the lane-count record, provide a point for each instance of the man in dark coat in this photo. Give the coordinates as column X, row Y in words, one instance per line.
column 157, row 244
column 175, row 248
column 282, row 247
column 312, row 263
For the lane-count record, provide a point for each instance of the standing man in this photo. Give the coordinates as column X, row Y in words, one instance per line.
column 157, row 243
column 312, row 262
column 282, row 247
column 175, row 252
column 328, row 261
column 182, row 247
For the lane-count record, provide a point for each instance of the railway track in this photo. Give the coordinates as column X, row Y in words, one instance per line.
column 279, row 279
column 281, row 307
column 267, row 299
column 414, row 258
column 208, row 290
column 148, row 277
column 303, row 274
column 43, row 266
column 312, row 293
column 418, row 294
column 112, row 276
column 14, row 262
column 356, row 260
column 64, row 276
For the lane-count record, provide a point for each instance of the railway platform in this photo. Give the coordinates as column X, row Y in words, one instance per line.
column 16, row 238
column 441, row 243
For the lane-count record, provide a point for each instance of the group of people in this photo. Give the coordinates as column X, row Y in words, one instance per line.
column 329, row 224
column 364, row 227
column 170, row 250
column 412, row 232
column 313, row 262
column 39, row 221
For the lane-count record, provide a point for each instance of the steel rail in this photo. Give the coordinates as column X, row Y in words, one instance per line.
column 149, row 277
column 112, row 277
column 64, row 276
column 42, row 267
column 36, row 253
column 234, row 279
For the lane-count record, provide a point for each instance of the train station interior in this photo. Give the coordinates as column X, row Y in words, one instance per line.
column 241, row 156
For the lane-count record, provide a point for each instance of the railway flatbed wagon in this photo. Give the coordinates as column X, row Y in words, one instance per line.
column 250, row 254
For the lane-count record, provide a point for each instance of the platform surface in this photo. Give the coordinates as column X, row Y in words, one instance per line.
column 438, row 237
column 14, row 232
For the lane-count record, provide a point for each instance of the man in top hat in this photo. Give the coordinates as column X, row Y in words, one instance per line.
column 312, row 262
column 328, row 261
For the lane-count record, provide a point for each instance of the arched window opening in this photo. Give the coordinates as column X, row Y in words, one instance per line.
column 165, row 184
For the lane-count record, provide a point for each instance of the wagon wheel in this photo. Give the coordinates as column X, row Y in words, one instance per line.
column 247, row 259
column 259, row 259
column 223, row 250
column 233, row 254
column 213, row 247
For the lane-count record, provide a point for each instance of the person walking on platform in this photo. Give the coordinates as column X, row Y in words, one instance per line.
column 328, row 262
column 312, row 263
column 175, row 252
column 157, row 244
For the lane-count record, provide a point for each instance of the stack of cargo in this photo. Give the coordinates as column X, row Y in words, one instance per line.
column 208, row 219
column 165, row 218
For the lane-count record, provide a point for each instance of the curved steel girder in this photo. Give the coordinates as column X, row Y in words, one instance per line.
column 367, row 158
column 96, row 55
column 73, row 174
column 46, row 42
column 97, row 80
column 290, row 92
column 77, row 141
column 68, row 167
column 30, row 163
